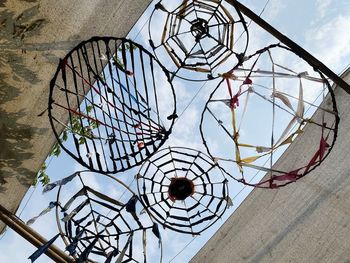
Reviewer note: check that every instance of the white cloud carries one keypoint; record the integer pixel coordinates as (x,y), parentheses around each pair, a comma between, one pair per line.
(273,9)
(330,42)
(323,6)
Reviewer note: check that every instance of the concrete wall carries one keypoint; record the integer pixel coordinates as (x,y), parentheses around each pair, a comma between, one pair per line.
(33,36)
(308,221)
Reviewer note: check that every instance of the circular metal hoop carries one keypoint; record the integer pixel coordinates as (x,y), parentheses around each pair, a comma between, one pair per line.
(199,37)
(260,109)
(183,189)
(99,227)
(113,101)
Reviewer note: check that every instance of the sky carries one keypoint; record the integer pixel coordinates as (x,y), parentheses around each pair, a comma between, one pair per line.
(320,26)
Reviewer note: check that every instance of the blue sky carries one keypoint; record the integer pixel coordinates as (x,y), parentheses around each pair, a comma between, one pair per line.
(320,26)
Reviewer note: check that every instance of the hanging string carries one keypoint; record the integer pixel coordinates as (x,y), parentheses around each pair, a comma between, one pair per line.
(287,136)
(125,124)
(183,189)
(196,57)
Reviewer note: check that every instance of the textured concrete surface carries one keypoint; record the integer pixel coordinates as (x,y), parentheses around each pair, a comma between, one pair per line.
(308,221)
(33,36)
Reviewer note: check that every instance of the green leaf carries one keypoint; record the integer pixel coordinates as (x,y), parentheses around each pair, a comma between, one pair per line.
(89,108)
(42,176)
(35,182)
(65,135)
(94,124)
(118,61)
(81,140)
(58,150)
(43,166)
(44,180)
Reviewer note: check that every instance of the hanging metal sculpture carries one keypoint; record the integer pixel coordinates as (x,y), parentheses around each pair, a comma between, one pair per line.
(199,37)
(118,102)
(183,189)
(100,227)
(259,109)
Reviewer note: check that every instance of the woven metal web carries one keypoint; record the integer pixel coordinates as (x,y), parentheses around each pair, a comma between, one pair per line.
(258,111)
(198,36)
(183,189)
(101,227)
(113,101)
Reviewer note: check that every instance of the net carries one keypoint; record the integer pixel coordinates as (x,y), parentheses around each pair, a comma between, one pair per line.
(261,108)
(183,189)
(198,37)
(113,101)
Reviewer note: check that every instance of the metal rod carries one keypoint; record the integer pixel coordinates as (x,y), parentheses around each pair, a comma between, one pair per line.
(32,236)
(314,62)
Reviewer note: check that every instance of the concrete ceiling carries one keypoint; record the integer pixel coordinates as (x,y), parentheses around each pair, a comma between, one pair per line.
(308,221)
(33,36)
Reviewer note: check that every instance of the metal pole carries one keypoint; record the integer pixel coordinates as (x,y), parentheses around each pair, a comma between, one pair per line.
(314,62)
(32,236)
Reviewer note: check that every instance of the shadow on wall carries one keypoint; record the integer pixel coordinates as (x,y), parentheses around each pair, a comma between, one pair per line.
(15,142)
(15,137)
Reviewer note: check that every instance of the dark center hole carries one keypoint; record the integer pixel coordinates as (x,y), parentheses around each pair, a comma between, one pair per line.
(180,188)
(199,28)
